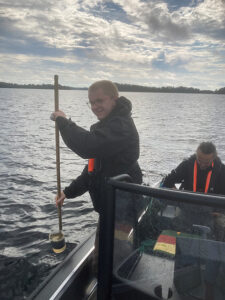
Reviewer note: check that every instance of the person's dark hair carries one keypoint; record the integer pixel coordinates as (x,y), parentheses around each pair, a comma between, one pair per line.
(207,148)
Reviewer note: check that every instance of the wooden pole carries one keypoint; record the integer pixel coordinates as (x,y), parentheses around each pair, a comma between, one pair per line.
(56,88)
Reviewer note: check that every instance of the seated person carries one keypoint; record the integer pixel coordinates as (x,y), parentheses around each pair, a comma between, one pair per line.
(202,172)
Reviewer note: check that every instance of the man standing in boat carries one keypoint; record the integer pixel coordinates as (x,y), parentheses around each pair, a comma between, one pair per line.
(111,145)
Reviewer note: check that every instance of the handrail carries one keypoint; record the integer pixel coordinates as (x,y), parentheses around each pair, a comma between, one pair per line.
(169,194)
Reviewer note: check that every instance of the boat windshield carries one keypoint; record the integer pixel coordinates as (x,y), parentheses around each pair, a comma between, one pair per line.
(168,245)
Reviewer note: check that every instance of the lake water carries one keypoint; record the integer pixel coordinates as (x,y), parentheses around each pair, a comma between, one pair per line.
(170,127)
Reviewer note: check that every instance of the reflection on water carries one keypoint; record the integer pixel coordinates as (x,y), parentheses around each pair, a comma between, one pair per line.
(170,127)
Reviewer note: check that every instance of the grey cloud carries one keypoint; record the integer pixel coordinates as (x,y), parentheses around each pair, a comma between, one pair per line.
(178,26)
(8,29)
(211,32)
(15,40)
(214,26)
(164,26)
(27,4)
(203,21)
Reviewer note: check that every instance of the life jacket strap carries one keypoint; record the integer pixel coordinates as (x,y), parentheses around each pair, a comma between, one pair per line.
(91,165)
(195,178)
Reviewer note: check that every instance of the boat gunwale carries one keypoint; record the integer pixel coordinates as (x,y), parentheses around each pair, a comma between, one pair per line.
(48,280)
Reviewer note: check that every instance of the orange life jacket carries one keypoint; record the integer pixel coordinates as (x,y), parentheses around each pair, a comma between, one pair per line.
(195,178)
(91,165)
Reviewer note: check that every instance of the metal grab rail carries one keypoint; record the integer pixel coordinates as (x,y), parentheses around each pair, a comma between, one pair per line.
(169,194)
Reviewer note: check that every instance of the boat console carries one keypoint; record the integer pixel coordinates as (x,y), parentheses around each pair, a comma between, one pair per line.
(161,244)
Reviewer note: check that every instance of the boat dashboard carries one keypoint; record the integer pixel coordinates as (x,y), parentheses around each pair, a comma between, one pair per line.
(165,244)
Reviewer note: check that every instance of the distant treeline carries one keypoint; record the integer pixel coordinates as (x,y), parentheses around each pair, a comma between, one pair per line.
(121,87)
(37,86)
(167,89)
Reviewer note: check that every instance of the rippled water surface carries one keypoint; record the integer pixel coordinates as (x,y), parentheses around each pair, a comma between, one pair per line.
(170,128)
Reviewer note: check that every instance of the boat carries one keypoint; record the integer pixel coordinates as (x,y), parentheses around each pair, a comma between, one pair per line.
(148,249)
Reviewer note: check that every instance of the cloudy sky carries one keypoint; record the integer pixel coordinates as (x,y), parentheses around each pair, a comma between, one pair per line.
(145,42)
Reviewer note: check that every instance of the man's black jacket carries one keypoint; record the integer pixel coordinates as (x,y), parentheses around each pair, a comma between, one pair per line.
(113,142)
(184,174)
